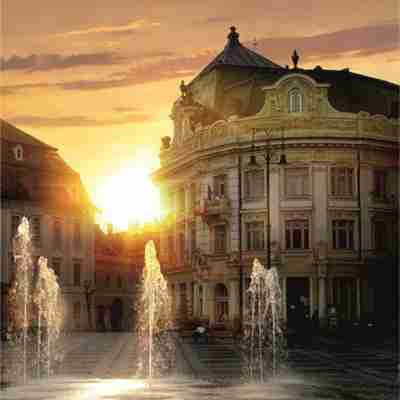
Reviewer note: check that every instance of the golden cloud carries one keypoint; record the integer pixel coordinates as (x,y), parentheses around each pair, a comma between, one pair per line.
(113,29)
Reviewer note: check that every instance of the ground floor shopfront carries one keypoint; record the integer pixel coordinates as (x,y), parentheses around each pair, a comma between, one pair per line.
(313,292)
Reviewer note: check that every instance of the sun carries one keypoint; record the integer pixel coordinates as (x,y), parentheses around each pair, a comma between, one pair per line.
(128,196)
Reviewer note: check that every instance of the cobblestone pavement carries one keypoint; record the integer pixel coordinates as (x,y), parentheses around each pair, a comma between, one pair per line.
(318,370)
(357,371)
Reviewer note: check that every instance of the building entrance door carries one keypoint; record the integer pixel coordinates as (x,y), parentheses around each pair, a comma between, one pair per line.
(345,298)
(116,314)
(221,304)
(297,300)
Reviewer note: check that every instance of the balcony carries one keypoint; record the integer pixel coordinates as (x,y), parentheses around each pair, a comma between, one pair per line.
(214,209)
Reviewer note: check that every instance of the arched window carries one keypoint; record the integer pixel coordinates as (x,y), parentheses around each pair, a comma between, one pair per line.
(19,152)
(295,101)
(221,303)
(119,282)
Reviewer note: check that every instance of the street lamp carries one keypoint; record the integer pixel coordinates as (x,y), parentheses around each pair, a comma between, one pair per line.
(253,163)
(88,293)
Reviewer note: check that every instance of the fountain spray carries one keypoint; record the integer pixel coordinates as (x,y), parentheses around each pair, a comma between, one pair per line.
(265,338)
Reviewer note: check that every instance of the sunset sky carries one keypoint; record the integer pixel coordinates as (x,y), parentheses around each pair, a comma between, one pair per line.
(97,78)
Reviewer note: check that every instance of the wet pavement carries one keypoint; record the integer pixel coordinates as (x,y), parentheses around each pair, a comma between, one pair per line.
(319,369)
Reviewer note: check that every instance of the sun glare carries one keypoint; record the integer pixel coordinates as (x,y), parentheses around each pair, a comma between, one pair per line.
(128,196)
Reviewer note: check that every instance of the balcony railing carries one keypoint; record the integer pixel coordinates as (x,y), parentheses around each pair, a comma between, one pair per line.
(214,206)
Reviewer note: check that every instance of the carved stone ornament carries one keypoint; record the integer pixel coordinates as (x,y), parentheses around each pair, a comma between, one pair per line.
(219,128)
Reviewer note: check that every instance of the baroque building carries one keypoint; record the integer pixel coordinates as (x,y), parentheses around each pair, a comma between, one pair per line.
(333,208)
(37,183)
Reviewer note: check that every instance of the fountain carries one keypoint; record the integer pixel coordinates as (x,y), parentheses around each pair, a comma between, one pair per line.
(155,343)
(46,298)
(33,301)
(264,341)
(19,294)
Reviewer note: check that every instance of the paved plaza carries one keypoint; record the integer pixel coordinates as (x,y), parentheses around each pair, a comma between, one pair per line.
(101,366)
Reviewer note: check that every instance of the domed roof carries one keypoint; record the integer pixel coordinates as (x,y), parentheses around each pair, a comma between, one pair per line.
(235,54)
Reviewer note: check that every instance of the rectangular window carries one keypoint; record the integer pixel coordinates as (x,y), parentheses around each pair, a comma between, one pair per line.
(77,315)
(35,231)
(254,183)
(15,221)
(77,273)
(77,235)
(182,246)
(342,181)
(193,196)
(182,299)
(380,235)
(56,265)
(297,235)
(181,200)
(343,234)
(255,235)
(57,234)
(220,239)
(380,178)
(296,182)
(219,186)
(193,243)
(201,301)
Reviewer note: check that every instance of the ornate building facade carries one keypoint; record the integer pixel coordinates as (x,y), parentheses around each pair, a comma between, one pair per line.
(333,208)
(37,183)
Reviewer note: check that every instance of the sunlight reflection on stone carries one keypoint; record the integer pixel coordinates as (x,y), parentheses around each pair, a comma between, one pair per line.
(111,387)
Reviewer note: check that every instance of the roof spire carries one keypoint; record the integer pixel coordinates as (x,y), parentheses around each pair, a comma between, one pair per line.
(295,58)
(233,37)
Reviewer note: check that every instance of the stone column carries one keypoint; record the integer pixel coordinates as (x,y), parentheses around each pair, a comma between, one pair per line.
(196,300)
(322,298)
(322,270)
(233,299)
(190,304)
(187,211)
(284,302)
(177,300)
(311,295)
(208,293)
(358,294)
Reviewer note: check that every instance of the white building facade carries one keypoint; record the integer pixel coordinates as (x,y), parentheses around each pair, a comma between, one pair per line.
(333,207)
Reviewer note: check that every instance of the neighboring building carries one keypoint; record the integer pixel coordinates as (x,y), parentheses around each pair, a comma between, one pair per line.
(333,207)
(118,271)
(37,183)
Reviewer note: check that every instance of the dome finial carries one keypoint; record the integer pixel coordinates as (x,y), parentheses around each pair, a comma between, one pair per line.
(183,89)
(295,58)
(233,37)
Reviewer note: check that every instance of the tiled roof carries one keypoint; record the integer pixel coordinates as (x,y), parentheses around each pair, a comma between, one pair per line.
(348,91)
(235,54)
(13,134)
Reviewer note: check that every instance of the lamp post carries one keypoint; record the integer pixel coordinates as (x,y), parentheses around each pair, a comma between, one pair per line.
(253,163)
(88,293)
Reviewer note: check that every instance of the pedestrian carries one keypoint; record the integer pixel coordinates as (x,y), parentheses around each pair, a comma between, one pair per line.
(199,333)
(107,319)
